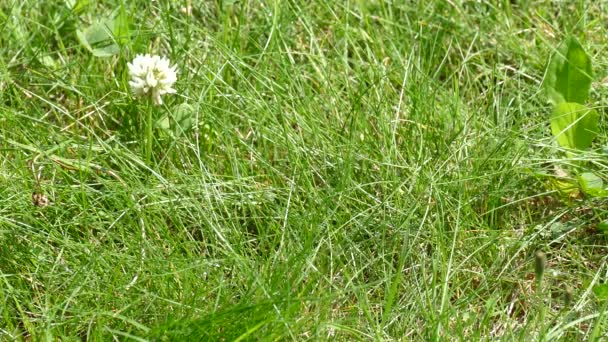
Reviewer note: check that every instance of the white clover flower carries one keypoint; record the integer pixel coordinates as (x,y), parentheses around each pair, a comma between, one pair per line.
(152,76)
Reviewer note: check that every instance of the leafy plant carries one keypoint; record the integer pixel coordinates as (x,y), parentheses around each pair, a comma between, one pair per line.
(179,121)
(591,184)
(102,38)
(573,124)
(569,74)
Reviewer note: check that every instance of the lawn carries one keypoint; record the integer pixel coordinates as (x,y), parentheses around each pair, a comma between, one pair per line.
(326,170)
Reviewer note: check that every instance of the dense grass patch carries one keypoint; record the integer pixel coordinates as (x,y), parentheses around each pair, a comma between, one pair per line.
(356,170)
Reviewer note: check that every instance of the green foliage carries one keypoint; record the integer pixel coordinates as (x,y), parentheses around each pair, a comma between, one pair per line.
(603,227)
(179,121)
(351,193)
(103,38)
(574,125)
(120,27)
(77,6)
(569,74)
(567,83)
(592,185)
(97,38)
(601,291)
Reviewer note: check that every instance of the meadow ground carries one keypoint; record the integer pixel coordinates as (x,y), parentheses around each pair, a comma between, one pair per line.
(342,170)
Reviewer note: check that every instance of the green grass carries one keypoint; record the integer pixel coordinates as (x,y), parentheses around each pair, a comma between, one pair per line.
(361,170)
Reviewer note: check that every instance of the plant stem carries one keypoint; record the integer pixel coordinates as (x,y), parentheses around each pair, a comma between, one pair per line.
(149,135)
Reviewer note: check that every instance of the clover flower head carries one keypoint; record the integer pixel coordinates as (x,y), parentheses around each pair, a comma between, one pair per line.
(152,76)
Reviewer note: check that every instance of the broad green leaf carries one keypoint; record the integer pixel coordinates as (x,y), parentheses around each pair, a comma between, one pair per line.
(163,123)
(569,74)
(99,33)
(183,115)
(603,227)
(106,51)
(83,40)
(98,39)
(601,291)
(592,184)
(574,125)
